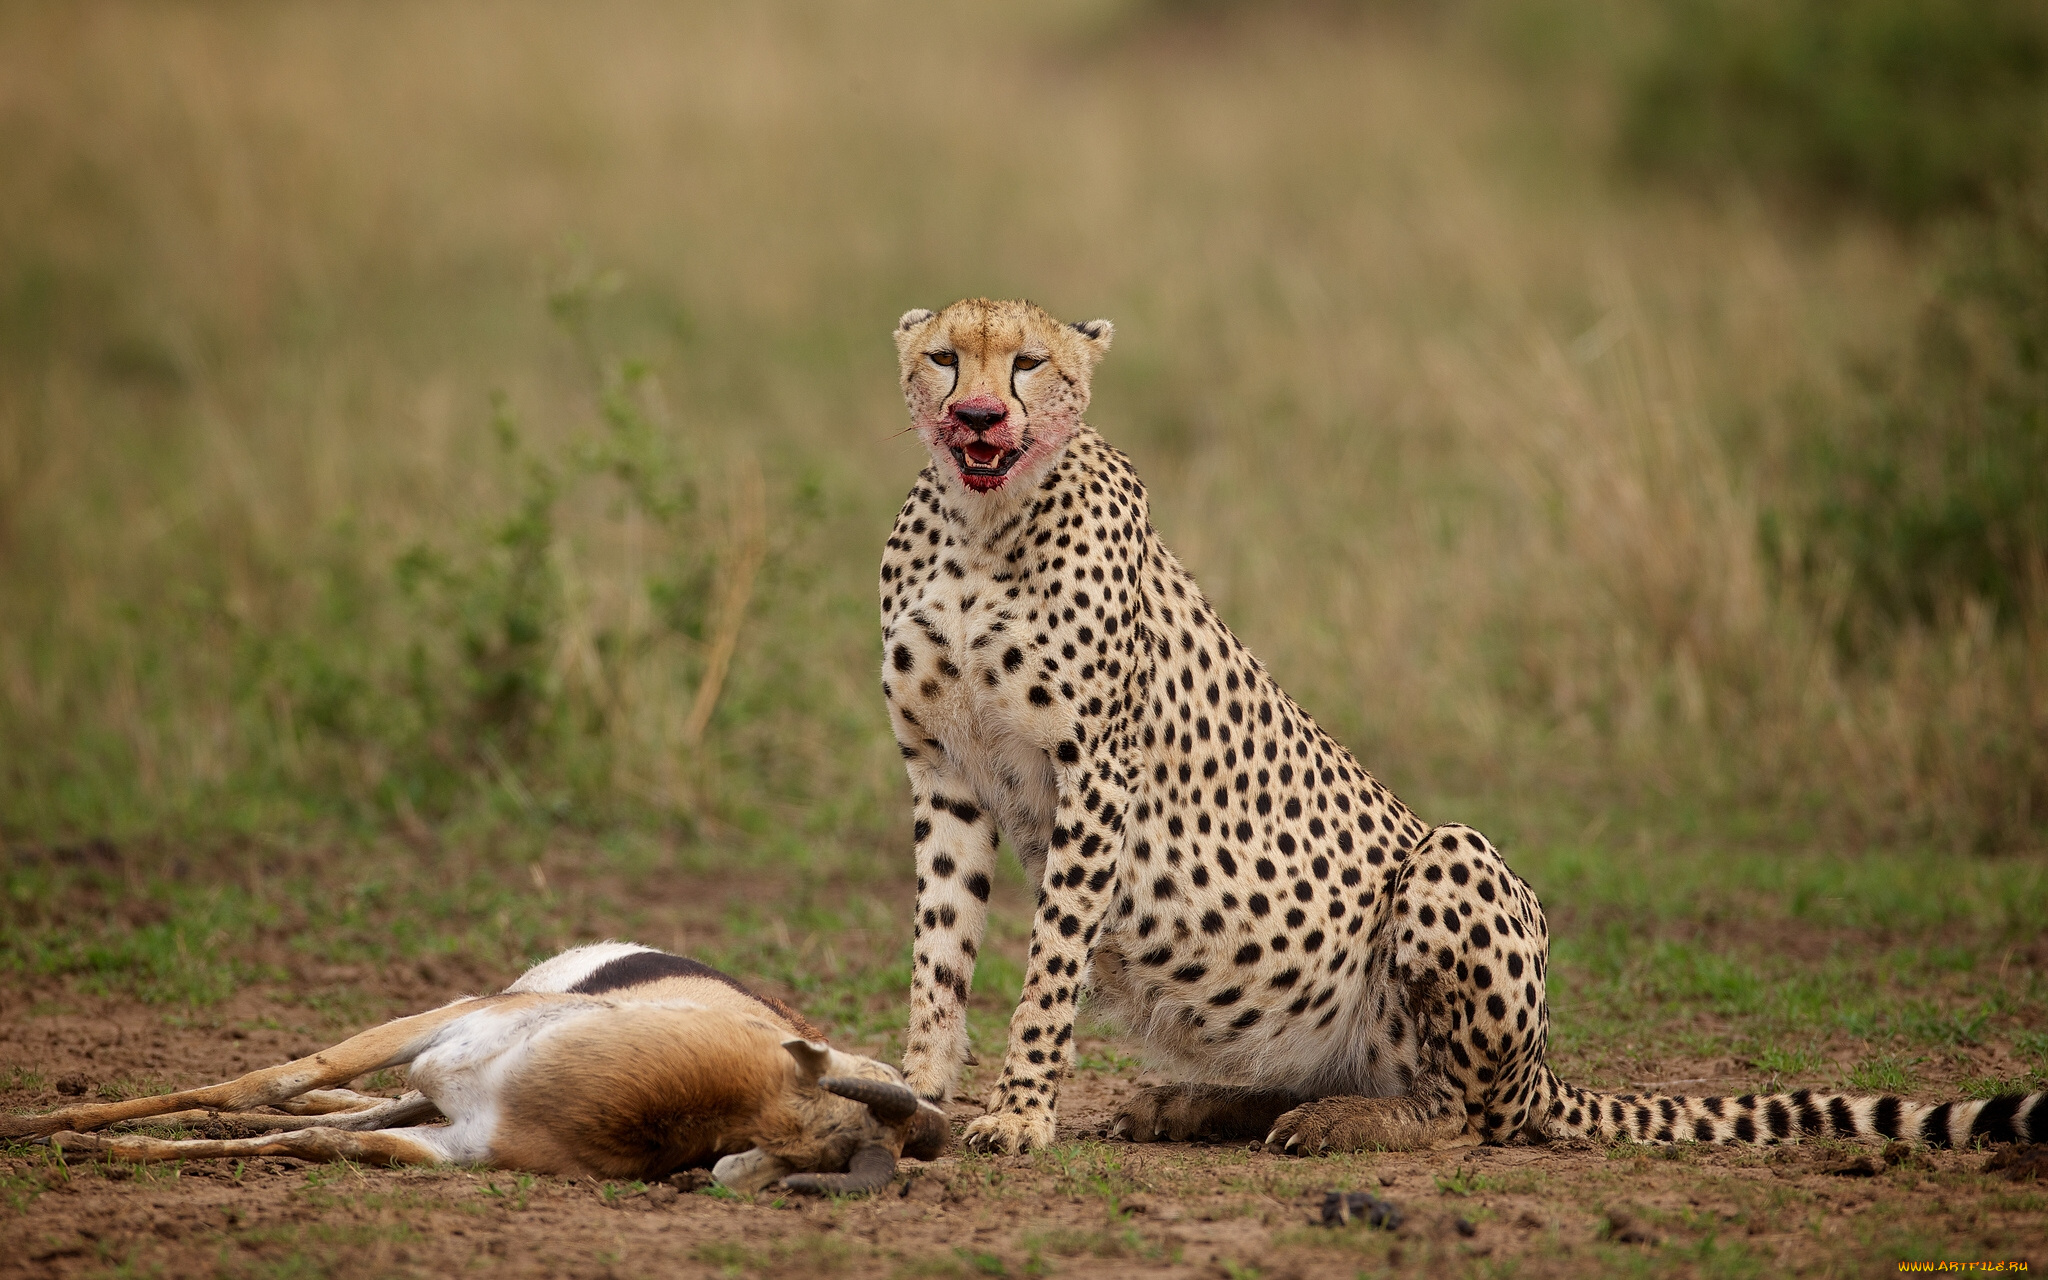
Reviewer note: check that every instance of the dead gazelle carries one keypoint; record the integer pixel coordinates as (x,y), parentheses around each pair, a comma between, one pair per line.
(612,1060)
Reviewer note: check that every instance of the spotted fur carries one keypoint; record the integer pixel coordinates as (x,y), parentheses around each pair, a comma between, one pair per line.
(1317,963)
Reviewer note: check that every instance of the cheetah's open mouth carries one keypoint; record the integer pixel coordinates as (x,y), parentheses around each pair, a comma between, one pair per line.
(984,465)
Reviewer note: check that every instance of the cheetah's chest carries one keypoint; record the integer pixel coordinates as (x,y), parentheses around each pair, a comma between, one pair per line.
(955,664)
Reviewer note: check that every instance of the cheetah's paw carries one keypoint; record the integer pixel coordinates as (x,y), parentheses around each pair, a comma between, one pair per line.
(1009,1133)
(1365,1124)
(1178,1112)
(929,1080)
(1329,1124)
(1161,1114)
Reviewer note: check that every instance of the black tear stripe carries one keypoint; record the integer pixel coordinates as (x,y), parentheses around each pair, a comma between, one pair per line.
(651,966)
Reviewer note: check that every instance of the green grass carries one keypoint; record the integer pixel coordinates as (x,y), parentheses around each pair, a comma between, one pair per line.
(380,526)
(388,442)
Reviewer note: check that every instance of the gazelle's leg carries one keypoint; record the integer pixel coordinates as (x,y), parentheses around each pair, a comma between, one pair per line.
(389,1113)
(327,1102)
(397,1041)
(323,1145)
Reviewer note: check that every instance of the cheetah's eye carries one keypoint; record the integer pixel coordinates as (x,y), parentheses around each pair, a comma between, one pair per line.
(944,359)
(1024,363)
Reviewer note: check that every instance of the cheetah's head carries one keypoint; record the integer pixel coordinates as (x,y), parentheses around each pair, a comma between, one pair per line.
(995,389)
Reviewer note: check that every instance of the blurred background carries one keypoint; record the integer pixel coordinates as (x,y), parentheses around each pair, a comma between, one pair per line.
(1618,422)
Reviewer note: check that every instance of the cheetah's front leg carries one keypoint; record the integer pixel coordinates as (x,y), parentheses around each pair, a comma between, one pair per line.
(956,850)
(1080,884)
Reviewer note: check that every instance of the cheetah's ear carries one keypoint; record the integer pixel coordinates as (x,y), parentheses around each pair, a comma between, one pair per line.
(911,319)
(1098,332)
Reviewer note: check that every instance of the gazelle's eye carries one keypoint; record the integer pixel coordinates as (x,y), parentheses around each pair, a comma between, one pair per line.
(1027,362)
(943,359)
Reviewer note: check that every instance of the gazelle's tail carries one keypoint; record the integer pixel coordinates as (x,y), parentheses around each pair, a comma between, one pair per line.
(1563,1111)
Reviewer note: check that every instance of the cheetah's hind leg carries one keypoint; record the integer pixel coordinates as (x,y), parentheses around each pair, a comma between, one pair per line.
(1179,1112)
(1349,1123)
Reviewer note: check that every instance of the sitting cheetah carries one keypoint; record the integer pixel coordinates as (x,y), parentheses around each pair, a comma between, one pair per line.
(1324,969)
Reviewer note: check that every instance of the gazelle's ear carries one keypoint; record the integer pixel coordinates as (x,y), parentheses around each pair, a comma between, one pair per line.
(812,1056)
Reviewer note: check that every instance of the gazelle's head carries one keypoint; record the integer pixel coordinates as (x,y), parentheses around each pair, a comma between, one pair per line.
(845,1122)
(995,389)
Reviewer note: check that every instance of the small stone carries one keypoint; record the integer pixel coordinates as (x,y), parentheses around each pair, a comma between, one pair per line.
(1467,1228)
(74,1084)
(1341,1208)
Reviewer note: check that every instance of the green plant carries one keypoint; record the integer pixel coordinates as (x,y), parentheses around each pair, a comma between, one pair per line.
(1933,500)
(1909,105)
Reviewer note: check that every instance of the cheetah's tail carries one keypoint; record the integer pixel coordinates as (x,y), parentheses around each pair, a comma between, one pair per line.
(1563,1111)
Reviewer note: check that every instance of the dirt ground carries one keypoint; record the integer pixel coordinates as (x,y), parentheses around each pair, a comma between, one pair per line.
(1086,1207)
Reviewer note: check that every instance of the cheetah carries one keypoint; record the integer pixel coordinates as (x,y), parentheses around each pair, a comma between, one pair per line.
(1316,965)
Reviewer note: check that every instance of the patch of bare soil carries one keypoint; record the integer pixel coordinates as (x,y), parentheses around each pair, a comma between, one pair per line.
(1088,1207)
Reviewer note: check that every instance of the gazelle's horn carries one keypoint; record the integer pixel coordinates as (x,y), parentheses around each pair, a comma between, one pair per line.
(928,1135)
(870,1170)
(892,1103)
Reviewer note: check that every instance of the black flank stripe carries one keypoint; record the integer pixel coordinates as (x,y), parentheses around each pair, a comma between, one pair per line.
(1843,1118)
(1995,1120)
(1714,1106)
(1703,1130)
(1745,1129)
(1887,1118)
(1934,1125)
(2037,1120)
(649,966)
(1780,1118)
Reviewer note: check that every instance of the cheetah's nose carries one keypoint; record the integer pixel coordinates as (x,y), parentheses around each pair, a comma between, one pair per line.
(979,414)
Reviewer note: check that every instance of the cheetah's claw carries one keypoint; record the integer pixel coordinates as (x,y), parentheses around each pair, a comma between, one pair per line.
(1008,1133)
(1362,1124)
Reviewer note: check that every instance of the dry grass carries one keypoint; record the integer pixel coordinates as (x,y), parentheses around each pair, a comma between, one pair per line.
(1470,443)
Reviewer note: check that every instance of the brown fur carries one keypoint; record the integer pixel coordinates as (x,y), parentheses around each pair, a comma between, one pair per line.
(655,1074)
